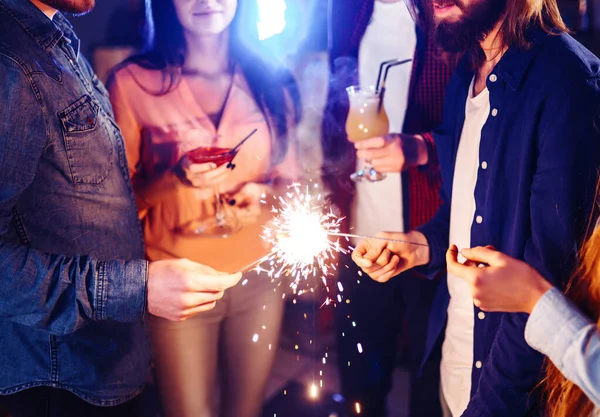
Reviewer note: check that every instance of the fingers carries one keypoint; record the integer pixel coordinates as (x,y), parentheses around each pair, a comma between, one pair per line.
(198,168)
(358,255)
(486,255)
(388,271)
(377,266)
(195,299)
(247,203)
(216,174)
(359,259)
(199,176)
(202,282)
(197,310)
(372,154)
(387,165)
(250,194)
(456,268)
(373,143)
(375,259)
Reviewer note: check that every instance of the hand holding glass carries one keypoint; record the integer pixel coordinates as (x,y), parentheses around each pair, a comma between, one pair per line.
(224,223)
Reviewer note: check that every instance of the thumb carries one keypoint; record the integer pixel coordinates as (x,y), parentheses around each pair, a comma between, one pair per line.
(376,142)
(375,249)
(202,168)
(358,256)
(482,254)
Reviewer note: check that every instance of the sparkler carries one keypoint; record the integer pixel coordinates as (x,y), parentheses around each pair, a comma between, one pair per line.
(300,236)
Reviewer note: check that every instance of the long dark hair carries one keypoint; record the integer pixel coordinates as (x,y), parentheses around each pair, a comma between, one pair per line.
(273,87)
(519,16)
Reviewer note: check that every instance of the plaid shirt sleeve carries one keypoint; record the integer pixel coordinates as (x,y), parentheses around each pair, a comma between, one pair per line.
(428,86)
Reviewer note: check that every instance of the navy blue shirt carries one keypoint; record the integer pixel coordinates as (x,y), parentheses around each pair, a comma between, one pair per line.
(539,157)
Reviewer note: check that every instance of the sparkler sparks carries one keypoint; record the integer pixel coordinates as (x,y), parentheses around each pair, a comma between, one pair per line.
(300,238)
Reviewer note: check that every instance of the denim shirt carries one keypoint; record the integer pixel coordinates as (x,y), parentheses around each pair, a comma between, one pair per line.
(72,274)
(538,167)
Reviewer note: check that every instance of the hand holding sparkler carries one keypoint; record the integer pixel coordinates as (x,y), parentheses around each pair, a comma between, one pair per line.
(388,254)
(506,284)
(179,288)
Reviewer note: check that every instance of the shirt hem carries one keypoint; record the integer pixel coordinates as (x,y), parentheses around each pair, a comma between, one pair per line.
(88,398)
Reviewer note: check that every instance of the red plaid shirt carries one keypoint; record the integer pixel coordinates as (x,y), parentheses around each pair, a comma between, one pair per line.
(349,20)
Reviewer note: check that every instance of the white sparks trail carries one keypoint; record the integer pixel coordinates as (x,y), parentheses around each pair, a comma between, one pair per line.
(299,236)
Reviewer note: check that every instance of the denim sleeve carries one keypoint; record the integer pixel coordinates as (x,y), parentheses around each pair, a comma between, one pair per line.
(562,197)
(560,331)
(56,293)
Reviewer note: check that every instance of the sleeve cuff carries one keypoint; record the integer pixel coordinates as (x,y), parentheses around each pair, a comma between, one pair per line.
(121,290)
(432,157)
(437,257)
(553,325)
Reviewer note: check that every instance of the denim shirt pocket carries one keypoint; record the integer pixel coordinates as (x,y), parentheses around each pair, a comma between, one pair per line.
(87,142)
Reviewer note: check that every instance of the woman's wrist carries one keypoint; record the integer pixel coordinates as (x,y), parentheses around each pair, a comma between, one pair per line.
(539,287)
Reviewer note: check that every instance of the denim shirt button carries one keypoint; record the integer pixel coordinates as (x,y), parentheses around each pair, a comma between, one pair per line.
(478,364)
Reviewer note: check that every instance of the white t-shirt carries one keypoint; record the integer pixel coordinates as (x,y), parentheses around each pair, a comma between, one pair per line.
(457,350)
(391,34)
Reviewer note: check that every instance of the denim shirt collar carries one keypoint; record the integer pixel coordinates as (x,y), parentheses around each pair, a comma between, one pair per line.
(46,32)
(514,64)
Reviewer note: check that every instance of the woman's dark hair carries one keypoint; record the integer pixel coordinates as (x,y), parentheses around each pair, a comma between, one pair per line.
(273,87)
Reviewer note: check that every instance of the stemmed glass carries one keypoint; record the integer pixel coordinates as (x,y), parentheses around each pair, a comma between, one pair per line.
(366,119)
(224,222)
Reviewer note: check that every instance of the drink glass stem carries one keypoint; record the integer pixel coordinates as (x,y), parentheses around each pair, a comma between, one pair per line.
(219,212)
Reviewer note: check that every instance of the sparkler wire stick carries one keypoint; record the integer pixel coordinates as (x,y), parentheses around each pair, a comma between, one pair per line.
(254,264)
(299,236)
(384,238)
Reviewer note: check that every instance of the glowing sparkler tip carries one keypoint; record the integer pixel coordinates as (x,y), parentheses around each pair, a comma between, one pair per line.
(299,235)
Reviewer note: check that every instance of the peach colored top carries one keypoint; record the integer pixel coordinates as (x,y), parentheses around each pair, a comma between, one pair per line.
(159,130)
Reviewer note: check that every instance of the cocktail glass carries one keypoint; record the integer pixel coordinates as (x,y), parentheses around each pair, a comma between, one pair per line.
(224,222)
(366,119)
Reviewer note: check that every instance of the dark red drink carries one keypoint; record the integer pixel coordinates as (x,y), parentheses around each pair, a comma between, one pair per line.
(218,156)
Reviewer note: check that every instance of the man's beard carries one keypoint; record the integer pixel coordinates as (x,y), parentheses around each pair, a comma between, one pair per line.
(76,7)
(477,22)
